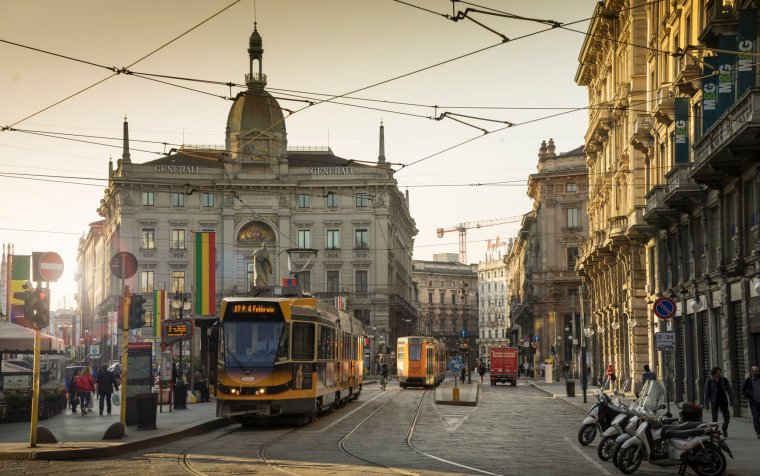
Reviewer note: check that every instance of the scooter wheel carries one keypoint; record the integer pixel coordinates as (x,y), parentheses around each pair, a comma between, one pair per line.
(615,451)
(713,461)
(604,451)
(629,459)
(586,434)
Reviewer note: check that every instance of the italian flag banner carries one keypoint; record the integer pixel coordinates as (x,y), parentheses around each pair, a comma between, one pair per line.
(205,273)
(160,310)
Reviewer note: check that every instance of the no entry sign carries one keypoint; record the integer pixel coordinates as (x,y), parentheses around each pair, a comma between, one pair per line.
(51,266)
(664,308)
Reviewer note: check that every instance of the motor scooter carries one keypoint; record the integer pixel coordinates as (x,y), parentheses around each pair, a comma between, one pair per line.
(695,445)
(599,417)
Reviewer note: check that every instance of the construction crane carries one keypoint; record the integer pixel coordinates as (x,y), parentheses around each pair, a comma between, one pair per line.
(463,227)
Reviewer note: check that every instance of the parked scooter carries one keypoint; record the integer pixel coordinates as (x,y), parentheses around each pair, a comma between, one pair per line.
(697,445)
(649,402)
(600,417)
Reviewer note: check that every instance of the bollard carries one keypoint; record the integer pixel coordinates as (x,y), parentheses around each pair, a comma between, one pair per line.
(455,394)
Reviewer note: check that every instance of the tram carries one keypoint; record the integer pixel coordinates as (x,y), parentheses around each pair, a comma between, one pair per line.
(280,356)
(420,361)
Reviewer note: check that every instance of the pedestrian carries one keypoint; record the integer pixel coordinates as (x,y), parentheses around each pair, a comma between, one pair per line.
(566,371)
(718,396)
(482,371)
(107,383)
(542,369)
(751,391)
(525,367)
(201,385)
(85,387)
(73,395)
(647,375)
(611,377)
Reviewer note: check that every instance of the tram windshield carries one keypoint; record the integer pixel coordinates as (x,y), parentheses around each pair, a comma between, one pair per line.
(254,344)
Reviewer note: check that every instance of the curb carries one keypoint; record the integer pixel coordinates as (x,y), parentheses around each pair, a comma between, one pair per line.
(114,450)
(557,397)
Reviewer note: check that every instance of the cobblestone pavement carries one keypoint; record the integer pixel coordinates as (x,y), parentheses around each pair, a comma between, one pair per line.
(513,431)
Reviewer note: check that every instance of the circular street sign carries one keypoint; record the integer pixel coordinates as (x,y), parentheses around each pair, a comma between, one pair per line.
(51,266)
(123,265)
(536,339)
(664,308)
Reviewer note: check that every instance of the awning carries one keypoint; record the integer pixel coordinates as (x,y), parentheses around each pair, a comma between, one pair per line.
(15,339)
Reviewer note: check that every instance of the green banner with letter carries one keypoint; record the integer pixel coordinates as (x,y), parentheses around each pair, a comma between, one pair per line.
(681,133)
(746,43)
(709,92)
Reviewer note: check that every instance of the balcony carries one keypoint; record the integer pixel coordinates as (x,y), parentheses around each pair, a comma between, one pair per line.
(664,107)
(689,78)
(720,20)
(681,192)
(639,229)
(731,143)
(641,139)
(616,228)
(658,214)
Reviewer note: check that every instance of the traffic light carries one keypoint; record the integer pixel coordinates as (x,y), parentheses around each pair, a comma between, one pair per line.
(25,296)
(41,304)
(136,312)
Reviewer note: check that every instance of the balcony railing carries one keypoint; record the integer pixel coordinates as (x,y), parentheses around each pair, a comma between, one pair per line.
(681,192)
(617,226)
(658,213)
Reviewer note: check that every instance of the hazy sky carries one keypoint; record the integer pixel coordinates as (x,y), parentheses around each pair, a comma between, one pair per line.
(316,46)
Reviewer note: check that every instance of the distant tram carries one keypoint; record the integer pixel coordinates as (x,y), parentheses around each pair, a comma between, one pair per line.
(294,356)
(420,361)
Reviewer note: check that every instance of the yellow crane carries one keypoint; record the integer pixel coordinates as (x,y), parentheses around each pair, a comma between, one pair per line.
(463,227)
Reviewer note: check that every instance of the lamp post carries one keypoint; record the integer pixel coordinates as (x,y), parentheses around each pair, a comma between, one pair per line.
(181,303)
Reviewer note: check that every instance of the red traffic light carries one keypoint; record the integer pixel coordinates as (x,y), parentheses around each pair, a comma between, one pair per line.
(42,295)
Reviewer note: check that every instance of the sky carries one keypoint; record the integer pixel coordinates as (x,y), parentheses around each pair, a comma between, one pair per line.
(52,186)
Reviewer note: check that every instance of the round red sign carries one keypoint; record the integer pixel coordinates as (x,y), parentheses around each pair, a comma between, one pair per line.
(51,266)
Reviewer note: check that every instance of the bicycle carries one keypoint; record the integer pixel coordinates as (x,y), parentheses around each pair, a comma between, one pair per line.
(383,381)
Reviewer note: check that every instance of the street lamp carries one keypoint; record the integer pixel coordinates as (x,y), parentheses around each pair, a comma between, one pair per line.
(181,303)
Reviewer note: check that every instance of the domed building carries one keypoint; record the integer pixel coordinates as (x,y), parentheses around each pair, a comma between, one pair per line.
(224,203)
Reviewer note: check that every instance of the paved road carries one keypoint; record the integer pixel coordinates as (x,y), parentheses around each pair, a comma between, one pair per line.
(513,431)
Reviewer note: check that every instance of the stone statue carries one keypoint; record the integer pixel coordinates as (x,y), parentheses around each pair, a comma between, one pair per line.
(262,266)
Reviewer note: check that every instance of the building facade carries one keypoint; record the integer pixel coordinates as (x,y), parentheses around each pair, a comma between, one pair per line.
(446,294)
(341,227)
(493,317)
(542,281)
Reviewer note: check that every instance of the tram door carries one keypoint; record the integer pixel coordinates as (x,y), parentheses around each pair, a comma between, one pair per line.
(430,362)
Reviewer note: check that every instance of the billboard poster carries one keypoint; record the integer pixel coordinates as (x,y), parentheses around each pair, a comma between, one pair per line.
(726,74)
(709,92)
(681,134)
(746,44)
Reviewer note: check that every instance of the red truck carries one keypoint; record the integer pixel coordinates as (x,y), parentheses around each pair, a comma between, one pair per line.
(504,365)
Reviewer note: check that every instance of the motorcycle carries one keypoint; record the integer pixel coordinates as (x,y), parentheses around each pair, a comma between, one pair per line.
(599,418)
(694,445)
(617,428)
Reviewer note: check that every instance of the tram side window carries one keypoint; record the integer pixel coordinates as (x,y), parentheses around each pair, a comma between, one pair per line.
(303,341)
(415,352)
(327,347)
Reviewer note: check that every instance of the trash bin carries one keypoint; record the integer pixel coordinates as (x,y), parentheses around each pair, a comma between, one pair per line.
(570,387)
(180,396)
(146,410)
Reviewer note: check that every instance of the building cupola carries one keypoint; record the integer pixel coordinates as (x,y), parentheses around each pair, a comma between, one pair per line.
(255,53)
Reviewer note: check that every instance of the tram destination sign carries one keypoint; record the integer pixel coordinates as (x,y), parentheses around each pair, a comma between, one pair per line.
(176,331)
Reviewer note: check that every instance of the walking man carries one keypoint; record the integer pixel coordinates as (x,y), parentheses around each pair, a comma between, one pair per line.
(718,396)
(106,385)
(751,391)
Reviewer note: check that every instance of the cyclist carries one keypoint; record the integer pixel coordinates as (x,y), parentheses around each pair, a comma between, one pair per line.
(384,376)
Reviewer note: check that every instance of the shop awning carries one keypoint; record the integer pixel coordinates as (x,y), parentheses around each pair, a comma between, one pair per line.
(15,339)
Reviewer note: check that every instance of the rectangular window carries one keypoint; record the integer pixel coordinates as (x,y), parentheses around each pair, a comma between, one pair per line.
(303,341)
(362,199)
(571,187)
(304,239)
(415,352)
(249,276)
(442,295)
(730,204)
(333,282)
(430,297)
(572,256)
(362,315)
(572,217)
(178,281)
(178,239)
(453,298)
(304,200)
(750,214)
(178,199)
(303,279)
(332,200)
(147,199)
(146,281)
(333,239)
(362,241)
(361,281)
(148,239)
(326,345)
(207,200)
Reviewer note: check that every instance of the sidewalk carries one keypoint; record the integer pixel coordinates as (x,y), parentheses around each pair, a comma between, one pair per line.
(742,439)
(82,436)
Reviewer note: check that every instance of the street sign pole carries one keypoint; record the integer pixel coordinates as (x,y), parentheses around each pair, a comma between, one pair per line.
(35,388)
(124,306)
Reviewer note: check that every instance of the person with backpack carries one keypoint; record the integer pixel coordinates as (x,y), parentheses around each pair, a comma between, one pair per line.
(107,383)
(72,387)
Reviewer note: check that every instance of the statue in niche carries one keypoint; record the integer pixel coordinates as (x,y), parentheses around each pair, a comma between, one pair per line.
(262,266)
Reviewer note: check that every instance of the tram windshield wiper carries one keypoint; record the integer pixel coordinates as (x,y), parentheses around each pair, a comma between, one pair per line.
(237,361)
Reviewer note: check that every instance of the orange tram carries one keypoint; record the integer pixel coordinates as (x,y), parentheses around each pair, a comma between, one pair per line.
(285,356)
(420,361)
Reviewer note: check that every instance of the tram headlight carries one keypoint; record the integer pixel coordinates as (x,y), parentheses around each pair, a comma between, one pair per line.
(261,391)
